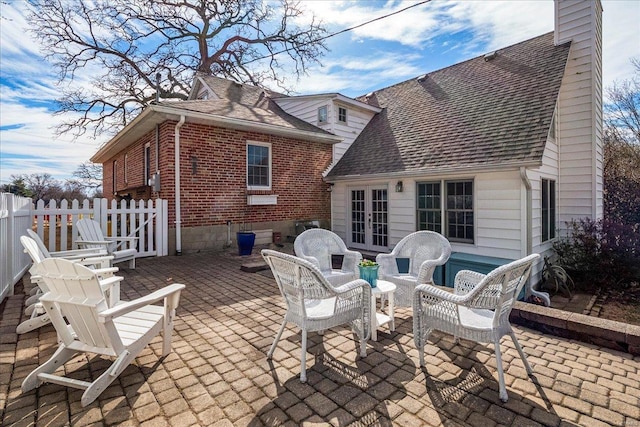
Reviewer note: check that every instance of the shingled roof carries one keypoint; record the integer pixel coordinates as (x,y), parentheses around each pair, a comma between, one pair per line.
(478,113)
(244,102)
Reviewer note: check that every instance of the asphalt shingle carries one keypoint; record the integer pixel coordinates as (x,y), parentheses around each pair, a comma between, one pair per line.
(473,114)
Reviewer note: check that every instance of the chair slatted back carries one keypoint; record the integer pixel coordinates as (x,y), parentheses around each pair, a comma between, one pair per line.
(320,244)
(75,294)
(297,279)
(39,242)
(90,230)
(32,248)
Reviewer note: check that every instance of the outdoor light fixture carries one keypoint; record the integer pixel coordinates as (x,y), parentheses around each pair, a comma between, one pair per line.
(399,187)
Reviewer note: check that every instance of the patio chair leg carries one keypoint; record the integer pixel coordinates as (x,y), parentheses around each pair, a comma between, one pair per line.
(276,339)
(59,358)
(33,323)
(523,356)
(303,358)
(503,389)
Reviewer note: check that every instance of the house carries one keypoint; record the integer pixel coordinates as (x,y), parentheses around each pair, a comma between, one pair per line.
(232,159)
(496,152)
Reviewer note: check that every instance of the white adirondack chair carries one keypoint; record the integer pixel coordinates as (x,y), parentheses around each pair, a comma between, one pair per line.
(92,237)
(314,304)
(103,260)
(74,293)
(424,251)
(38,317)
(477,310)
(317,246)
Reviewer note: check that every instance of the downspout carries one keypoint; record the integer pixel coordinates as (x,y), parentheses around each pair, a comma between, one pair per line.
(177,186)
(528,203)
(529,288)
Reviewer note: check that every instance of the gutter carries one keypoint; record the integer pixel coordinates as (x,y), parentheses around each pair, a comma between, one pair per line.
(240,124)
(436,171)
(177,185)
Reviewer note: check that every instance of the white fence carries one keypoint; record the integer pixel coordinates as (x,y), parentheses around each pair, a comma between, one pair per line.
(15,217)
(56,225)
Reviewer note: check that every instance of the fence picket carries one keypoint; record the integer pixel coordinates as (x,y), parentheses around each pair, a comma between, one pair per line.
(147,220)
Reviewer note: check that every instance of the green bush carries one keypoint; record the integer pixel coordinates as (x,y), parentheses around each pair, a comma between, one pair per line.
(600,253)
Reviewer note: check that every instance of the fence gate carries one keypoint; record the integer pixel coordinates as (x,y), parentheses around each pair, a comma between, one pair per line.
(146,220)
(15,217)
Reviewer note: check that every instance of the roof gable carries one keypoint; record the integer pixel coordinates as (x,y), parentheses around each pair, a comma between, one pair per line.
(474,114)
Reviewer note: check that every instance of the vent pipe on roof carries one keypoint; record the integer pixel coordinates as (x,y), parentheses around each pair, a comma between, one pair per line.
(422,78)
(490,56)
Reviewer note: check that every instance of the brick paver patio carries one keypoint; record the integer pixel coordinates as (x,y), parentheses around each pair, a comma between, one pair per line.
(218,374)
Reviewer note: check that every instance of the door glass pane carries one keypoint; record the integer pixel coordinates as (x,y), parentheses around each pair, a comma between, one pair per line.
(358,221)
(379,205)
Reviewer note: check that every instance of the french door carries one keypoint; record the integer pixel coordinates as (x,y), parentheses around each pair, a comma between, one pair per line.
(369,218)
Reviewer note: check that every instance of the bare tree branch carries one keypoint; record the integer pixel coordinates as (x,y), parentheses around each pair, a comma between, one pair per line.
(107,52)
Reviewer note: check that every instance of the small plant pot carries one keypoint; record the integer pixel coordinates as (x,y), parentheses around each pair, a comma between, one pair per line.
(370,274)
(246,240)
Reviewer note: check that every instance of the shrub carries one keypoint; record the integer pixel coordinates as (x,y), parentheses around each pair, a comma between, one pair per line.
(600,253)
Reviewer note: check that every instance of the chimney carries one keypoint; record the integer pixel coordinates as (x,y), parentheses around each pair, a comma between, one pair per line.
(579,109)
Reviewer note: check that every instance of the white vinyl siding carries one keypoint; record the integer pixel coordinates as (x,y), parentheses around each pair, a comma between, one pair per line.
(580,112)
(307,109)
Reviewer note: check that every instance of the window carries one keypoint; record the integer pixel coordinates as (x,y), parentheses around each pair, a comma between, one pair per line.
(258,166)
(552,128)
(342,114)
(457,209)
(147,164)
(322,114)
(548,209)
(429,207)
(115,176)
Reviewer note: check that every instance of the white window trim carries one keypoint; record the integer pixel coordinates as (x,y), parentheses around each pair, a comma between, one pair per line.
(346,114)
(326,115)
(261,144)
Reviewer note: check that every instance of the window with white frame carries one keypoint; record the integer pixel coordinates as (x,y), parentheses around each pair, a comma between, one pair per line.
(342,114)
(548,209)
(322,114)
(446,207)
(258,166)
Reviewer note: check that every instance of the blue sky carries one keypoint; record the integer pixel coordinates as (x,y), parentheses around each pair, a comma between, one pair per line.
(424,38)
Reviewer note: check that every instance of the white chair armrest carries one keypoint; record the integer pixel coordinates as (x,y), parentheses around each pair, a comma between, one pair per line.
(387,264)
(78,253)
(433,293)
(124,238)
(129,306)
(313,260)
(350,261)
(466,280)
(349,286)
(106,243)
(106,271)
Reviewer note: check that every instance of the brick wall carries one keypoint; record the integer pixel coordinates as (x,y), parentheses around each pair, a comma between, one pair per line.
(213,181)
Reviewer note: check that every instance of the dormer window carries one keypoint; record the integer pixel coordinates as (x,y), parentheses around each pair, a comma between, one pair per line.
(342,114)
(204,94)
(322,114)
(552,129)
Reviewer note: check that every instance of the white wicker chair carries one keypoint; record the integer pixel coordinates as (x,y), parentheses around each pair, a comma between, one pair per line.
(313,304)
(477,310)
(424,250)
(317,245)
